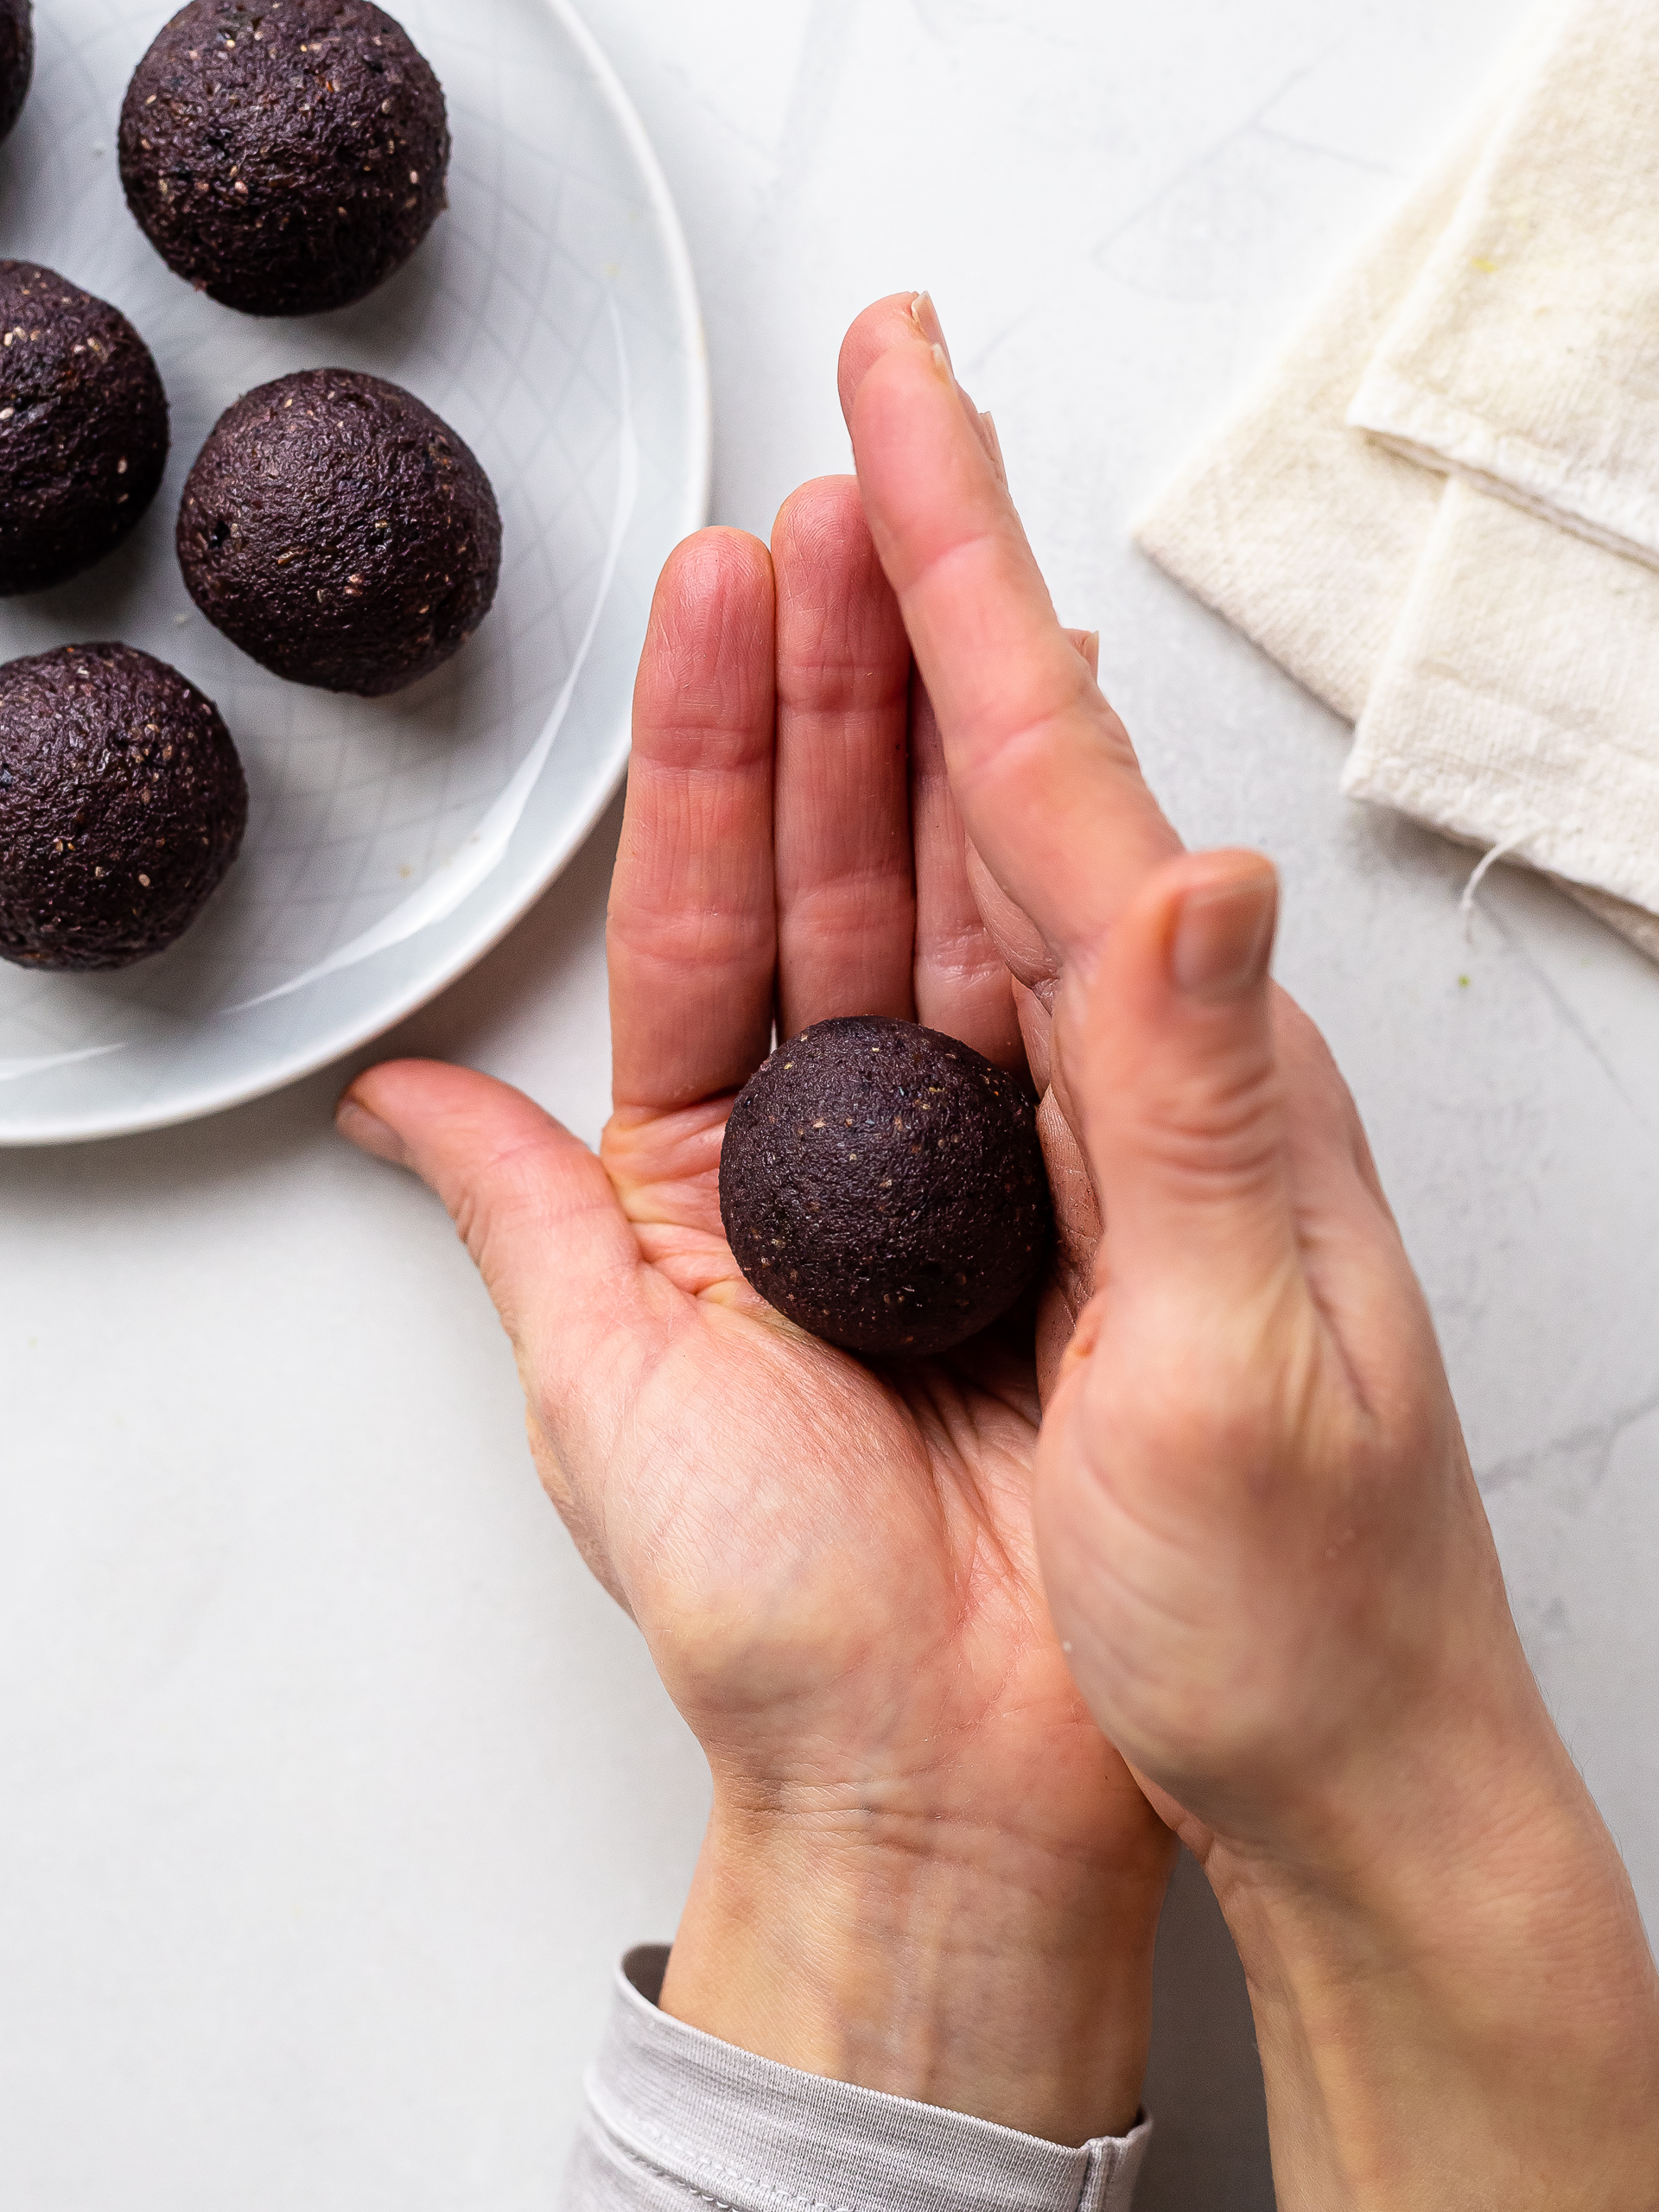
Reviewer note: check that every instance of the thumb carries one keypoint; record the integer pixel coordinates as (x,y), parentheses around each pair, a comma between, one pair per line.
(532,1203)
(1176,1079)
(539,1214)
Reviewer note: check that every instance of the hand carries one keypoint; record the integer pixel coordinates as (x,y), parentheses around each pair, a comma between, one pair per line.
(1258,1526)
(926,1872)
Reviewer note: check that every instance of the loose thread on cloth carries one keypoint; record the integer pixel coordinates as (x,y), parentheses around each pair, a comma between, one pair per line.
(1472,889)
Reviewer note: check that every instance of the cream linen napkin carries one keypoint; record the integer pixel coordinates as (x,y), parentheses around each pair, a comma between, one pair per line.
(1526,357)
(1518,705)
(1310,538)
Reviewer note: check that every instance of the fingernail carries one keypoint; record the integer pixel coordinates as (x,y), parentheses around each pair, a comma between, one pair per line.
(369,1133)
(925,317)
(993,447)
(942,363)
(1091,653)
(1224,936)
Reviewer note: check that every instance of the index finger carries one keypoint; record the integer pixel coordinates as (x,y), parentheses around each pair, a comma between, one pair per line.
(1046,779)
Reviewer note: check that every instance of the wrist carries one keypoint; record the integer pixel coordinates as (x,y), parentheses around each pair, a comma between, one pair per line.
(1457,2005)
(954,1964)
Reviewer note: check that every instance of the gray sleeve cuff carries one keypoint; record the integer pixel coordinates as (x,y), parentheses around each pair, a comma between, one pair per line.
(677,2121)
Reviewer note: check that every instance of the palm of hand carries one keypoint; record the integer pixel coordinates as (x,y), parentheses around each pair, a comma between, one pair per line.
(833,1565)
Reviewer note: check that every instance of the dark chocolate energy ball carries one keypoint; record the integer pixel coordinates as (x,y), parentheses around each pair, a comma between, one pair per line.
(83,428)
(341,533)
(284,155)
(883,1186)
(17,59)
(122,805)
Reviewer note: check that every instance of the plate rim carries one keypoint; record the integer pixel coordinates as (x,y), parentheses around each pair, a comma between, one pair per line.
(352,1036)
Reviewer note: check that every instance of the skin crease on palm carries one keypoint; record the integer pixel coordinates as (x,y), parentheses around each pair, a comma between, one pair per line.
(873,774)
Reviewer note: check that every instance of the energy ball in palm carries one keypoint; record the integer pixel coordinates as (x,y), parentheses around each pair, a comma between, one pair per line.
(284,157)
(83,428)
(122,806)
(883,1186)
(16,60)
(341,533)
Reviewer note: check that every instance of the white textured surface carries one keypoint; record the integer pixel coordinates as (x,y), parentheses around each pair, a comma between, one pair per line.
(550,319)
(332,1787)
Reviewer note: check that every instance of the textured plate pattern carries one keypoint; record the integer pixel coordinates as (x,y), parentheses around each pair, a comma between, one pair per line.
(552,318)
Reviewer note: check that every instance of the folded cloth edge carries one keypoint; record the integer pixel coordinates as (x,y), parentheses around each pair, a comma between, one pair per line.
(1427,424)
(1425,428)
(1562,769)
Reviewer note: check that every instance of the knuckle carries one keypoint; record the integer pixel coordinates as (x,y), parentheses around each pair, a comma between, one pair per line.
(1218,1126)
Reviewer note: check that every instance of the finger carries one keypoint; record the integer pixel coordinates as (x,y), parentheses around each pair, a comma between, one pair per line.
(537,1213)
(1172,1054)
(1050,790)
(901,319)
(887,323)
(967,928)
(1223,1142)
(1034,962)
(691,937)
(962,982)
(846,886)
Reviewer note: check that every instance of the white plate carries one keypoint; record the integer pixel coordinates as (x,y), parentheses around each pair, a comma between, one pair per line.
(552,318)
